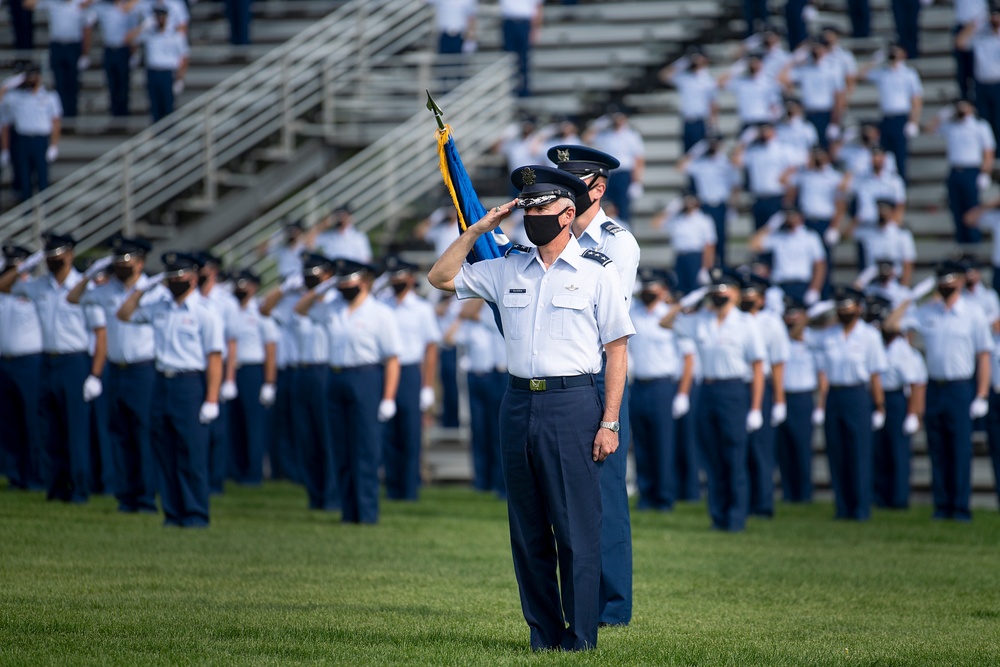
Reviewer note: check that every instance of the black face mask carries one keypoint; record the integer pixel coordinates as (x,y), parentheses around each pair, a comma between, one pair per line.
(542,229)
(946,292)
(719,300)
(55,264)
(240,294)
(123,273)
(312,280)
(647,297)
(178,287)
(399,288)
(747,305)
(349,293)
(846,318)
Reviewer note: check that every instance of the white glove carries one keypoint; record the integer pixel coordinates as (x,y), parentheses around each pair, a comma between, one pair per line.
(911,424)
(878,57)
(4,158)
(92,388)
(749,135)
(775,221)
(703,277)
(809,13)
(14,81)
(820,308)
(811,296)
(818,417)
(983,181)
(693,298)
(681,64)
(97,267)
(831,236)
(325,286)
(3,263)
(83,63)
(923,288)
(228,391)
(470,46)
(209,413)
(911,130)
(426,398)
(149,23)
(779,413)
(979,408)
(292,283)
(635,190)
(754,421)
(833,132)
(178,86)
(866,277)
(135,60)
(146,283)
(267,393)
(31,261)
(386,409)
(674,206)
(681,406)
(697,150)
(52,153)
(878,420)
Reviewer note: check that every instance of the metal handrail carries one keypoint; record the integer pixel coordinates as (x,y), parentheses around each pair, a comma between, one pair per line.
(394,171)
(266,99)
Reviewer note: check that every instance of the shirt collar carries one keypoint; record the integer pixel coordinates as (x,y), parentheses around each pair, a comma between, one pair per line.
(594,230)
(571,254)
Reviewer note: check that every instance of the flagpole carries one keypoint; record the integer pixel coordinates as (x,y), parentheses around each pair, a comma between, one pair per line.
(435,109)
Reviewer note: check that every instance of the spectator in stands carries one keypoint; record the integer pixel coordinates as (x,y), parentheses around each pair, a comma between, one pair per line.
(971,153)
(901,100)
(798,264)
(239,15)
(758,96)
(697,92)
(692,236)
(344,241)
(987,216)
(178,16)
(969,14)
(861,18)
(906,14)
(520,145)
(613,135)
(774,54)
(985,297)
(23,22)
(841,57)
(560,131)
(854,153)
(456,25)
(166,52)
(116,18)
(285,248)
(522,21)
(821,84)
(985,45)
(884,283)
(70,30)
(891,241)
(879,184)
(767,161)
(819,191)
(714,180)
(32,125)
(440,228)
(795,132)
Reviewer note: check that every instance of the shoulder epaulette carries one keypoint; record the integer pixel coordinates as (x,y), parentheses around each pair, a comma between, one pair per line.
(612,228)
(516,247)
(596,256)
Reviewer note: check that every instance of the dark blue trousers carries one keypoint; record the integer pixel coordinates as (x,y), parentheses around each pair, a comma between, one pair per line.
(402,438)
(963,195)
(554,510)
(795,24)
(181,448)
(687,480)
(993,434)
(988,104)
(763,208)
(248,426)
(617,192)
(796,290)
(820,120)
(949,443)
(311,430)
(31,169)
(285,463)
(218,450)
(486,391)
(760,460)
(63,57)
(848,432)
(129,390)
(353,398)
(448,362)
(105,464)
(793,447)
(116,69)
(687,265)
(22,20)
(721,417)
(906,14)
(238,13)
(755,14)
(616,533)
(450,44)
(718,215)
(517,40)
(891,450)
(653,435)
(861,17)
(964,64)
(20,379)
(694,131)
(66,420)
(894,140)
(160,86)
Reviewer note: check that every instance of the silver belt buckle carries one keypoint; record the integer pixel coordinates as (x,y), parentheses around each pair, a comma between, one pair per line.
(535,384)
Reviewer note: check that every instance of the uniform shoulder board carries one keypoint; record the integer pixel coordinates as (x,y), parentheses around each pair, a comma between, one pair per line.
(596,256)
(516,247)
(612,228)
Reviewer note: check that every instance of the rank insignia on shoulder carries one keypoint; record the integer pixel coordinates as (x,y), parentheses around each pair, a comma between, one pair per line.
(516,248)
(596,256)
(612,228)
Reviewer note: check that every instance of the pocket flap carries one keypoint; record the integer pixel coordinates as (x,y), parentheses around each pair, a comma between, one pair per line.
(516,300)
(569,301)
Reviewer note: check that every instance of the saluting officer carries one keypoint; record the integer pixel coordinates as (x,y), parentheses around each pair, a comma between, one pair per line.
(70,28)
(714,180)
(594,230)
(798,257)
(767,160)
(188,344)
(851,356)
(793,437)
(345,240)
(363,356)
(693,239)
(560,305)
(419,339)
(116,18)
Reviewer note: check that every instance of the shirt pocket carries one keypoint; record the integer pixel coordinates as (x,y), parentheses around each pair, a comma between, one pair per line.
(516,308)
(567,317)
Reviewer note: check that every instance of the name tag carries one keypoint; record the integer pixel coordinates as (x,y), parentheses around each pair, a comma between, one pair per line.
(517,291)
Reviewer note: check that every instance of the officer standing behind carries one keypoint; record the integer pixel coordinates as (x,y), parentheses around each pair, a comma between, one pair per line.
(363,356)
(35,116)
(418,363)
(166,52)
(697,91)
(793,437)
(767,162)
(594,230)
(714,180)
(70,29)
(822,86)
(901,99)
(344,241)
(116,18)
(188,346)
(798,264)
(984,41)
(818,191)
(692,236)
(613,135)
(559,305)
(758,94)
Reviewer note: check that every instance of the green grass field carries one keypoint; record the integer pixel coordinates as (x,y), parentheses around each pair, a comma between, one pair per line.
(270,583)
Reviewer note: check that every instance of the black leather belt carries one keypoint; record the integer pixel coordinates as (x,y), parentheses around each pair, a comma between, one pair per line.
(549,383)
(170,375)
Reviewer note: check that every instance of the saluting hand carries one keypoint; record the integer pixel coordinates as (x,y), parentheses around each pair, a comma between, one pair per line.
(494,217)
(605,444)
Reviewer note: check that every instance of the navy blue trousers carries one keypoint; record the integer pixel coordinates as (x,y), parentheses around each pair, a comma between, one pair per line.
(218,449)
(861,17)
(448,361)
(353,398)
(894,140)
(988,104)
(238,13)
(793,448)
(117,71)
(181,448)
(848,430)
(686,266)
(66,419)
(755,14)
(906,14)
(795,24)
(891,447)
(486,391)
(402,438)
(617,192)
(129,390)
(311,430)
(964,63)
(23,23)
(763,208)
(554,510)
(450,44)
(653,435)
(160,86)
(282,454)
(722,433)
(760,460)
(105,464)
(248,426)
(993,433)
(796,290)
(516,39)
(63,57)
(963,195)
(820,120)
(694,131)
(687,480)
(949,443)
(20,379)
(616,533)
(718,215)
(31,169)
